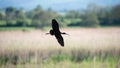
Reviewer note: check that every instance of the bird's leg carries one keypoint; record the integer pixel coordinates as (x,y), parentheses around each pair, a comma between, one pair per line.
(64,33)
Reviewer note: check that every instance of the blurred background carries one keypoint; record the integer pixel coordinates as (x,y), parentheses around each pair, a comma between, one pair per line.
(94,28)
(38,14)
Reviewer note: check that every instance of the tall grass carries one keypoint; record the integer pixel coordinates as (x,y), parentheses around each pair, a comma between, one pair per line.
(84,48)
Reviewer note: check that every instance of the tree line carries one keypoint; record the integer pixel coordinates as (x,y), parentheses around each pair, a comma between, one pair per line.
(92,16)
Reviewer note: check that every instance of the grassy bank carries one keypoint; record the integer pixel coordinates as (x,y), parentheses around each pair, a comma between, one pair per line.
(84,48)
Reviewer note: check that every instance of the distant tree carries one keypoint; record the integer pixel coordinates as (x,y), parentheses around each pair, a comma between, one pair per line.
(41,18)
(115,15)
(103,13)
(10,16)
(21,18)
(104,16)
(2,19)
(94,8)
(2,16)
(20,14)
(90,20)
(38,8)
(73,14)
(31,13)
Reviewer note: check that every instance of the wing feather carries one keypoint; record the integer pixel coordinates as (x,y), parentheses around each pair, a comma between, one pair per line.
(55,25)
(60,39)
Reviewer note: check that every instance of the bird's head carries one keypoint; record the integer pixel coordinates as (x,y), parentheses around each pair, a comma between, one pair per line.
(51,32)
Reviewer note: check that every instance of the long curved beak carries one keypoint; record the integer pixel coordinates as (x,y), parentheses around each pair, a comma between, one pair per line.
(47,33)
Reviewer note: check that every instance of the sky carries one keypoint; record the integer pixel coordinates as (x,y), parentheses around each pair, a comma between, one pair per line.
(56,4)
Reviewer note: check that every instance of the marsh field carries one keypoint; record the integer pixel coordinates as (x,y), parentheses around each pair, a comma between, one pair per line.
(84,48)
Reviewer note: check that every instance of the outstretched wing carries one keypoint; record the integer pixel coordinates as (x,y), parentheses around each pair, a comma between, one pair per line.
(60,39)
(55,25)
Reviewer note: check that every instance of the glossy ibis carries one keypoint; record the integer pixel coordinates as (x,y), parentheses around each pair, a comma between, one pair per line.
(55,31)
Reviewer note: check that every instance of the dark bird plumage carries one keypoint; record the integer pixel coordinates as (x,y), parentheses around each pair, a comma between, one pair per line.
(55,31)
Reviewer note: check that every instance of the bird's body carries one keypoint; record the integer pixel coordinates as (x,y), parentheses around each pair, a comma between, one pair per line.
(55,31)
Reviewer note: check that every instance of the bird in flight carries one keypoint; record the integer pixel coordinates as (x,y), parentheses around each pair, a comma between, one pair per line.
(55,31)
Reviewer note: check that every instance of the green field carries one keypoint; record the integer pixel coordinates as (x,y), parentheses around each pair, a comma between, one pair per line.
(84,48)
